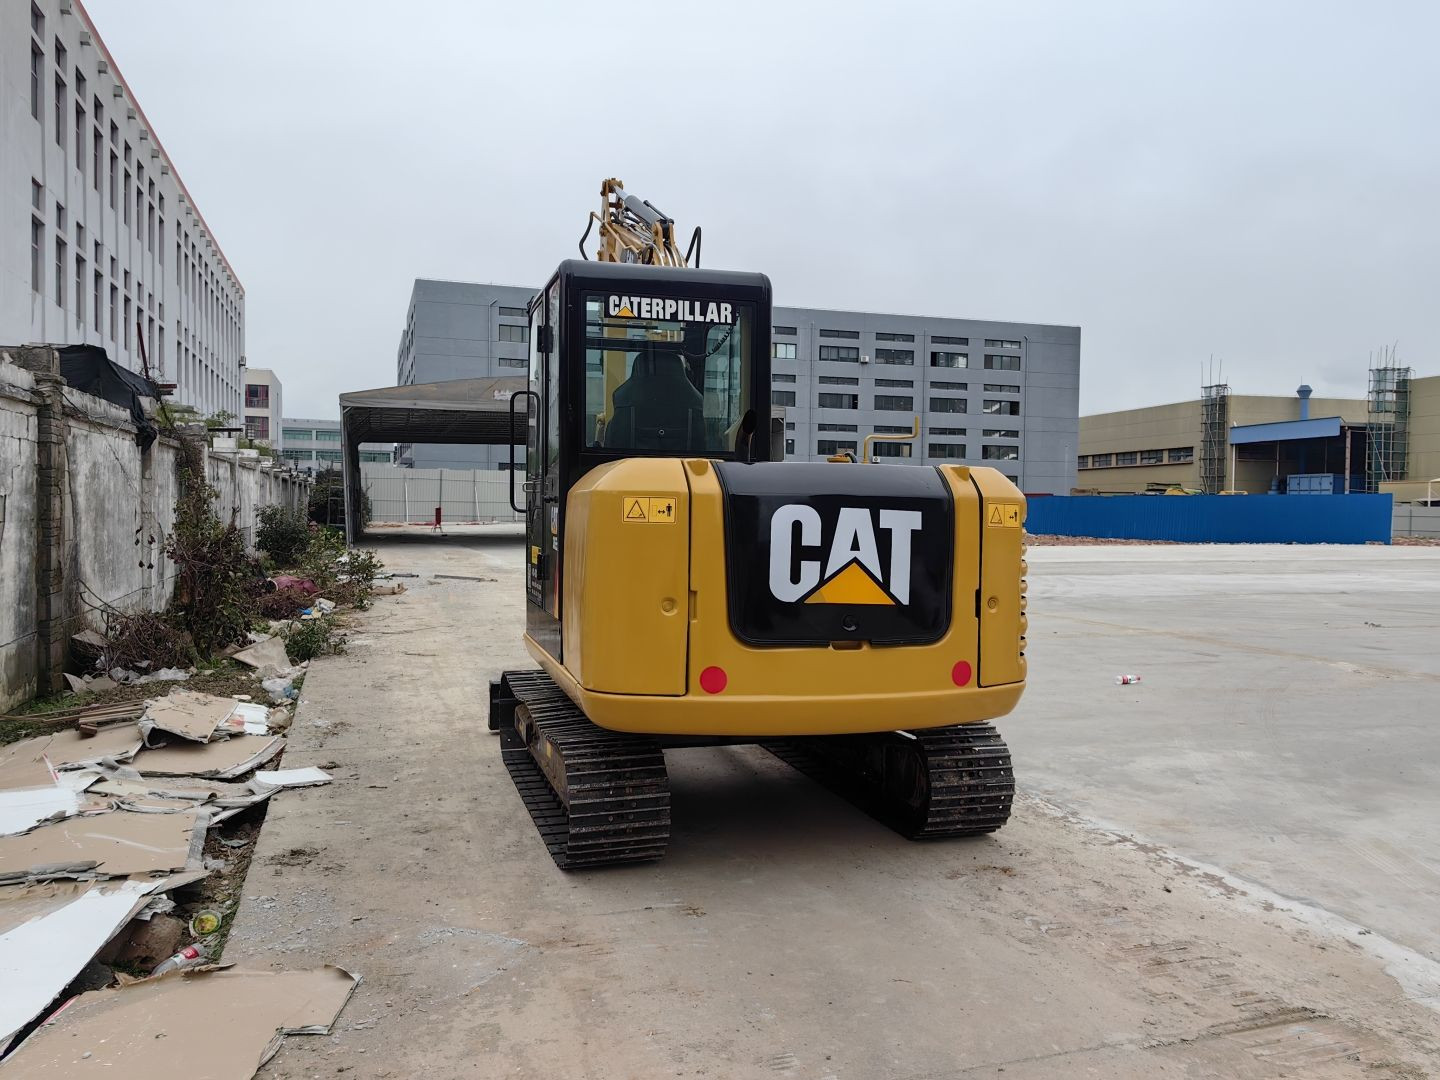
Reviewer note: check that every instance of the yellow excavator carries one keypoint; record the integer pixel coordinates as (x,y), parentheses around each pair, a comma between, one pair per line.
(687,586)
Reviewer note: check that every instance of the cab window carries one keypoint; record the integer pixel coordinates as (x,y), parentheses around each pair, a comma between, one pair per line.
(667,375)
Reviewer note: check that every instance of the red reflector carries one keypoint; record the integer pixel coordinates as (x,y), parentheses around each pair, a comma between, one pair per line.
(961,673)
(713,680)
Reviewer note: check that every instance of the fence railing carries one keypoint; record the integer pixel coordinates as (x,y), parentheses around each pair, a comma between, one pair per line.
(401,496)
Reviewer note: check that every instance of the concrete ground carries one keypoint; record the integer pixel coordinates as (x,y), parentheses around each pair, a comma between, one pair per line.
(787,934)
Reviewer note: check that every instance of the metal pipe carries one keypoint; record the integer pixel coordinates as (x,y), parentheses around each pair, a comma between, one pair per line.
(873,437)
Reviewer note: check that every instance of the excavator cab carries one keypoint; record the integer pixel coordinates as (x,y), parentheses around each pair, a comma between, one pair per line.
(633,361)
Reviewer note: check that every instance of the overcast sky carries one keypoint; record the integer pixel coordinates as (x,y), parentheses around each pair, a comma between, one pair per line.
(1259,182)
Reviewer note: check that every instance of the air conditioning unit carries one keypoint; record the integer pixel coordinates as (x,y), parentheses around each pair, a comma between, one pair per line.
(85,38)
(864,358)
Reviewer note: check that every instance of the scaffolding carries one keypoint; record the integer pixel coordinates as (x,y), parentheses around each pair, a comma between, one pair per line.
(1214,436)
(1387,431)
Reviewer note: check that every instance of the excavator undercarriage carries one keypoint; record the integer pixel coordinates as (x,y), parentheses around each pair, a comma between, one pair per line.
(601,798)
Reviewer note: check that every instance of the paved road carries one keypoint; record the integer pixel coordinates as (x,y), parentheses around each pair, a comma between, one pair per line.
(1287,727)
(785,934)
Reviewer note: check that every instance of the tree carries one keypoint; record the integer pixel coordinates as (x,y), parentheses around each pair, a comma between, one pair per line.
(327,500)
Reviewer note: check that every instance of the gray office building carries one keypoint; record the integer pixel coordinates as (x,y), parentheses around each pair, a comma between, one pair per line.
(994,393)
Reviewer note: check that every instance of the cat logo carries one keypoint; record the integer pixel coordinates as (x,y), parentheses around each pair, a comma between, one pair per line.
(852,570)
(669,309)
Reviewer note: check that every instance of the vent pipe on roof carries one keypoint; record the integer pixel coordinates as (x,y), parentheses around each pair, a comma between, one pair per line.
(1303,393)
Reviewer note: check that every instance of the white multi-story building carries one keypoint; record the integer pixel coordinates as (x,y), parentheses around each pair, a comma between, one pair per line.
(314,445)
(100,242)
(263,406)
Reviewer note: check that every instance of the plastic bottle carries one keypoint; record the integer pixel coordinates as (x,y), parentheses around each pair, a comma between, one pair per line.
(1126,680)
(188,957)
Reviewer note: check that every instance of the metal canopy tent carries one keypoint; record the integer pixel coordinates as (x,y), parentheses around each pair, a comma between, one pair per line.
(473,411)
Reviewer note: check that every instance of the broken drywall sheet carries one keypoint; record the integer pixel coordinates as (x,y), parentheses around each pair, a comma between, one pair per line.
(187,714)
(48,932)
(168,795)
(68,750)
(23,809)
(168,1026)
(293,777)
(105,845)
(268,651)
(223,760)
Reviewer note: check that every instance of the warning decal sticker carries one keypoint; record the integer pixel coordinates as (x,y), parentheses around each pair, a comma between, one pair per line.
(1003,516)
(648,509)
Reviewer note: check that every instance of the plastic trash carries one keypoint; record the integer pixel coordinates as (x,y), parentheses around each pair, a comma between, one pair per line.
(204,923)
(1126,680)
(279,689)
(188,957)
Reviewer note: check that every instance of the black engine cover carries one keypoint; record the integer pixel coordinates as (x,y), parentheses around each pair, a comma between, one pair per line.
(818,552)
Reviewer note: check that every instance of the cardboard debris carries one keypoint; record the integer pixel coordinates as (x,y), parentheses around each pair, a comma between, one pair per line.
(248,718)
(294,777)
(223,760)
(68,750)
(92,638)
(105,845)
(220,1024)
(161,795)
(48,932)
(268,651)
(388,590)
(24,770)
(23,809)
(188,714)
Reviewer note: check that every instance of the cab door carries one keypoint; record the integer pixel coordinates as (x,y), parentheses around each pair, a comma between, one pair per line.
(542,474)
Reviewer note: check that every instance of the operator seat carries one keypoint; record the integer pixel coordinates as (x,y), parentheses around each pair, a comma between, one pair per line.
(656,408)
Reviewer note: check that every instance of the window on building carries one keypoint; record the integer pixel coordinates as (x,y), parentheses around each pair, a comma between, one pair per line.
(37,21)
(838,380)
(513,312)
(783,397)
(789,425)
(79,134)
(114,178)
(1000,343)
(114,311)
(293,455)
(789,447)
(37,255)
(838,401)
(891,449)
(257,396)
(1001,388)
(95,157)
(1129,457)
(783,350)
(879,336)
(96,294)
(513,361)
(327,435)
(1182,453)
(946,451)
(257,427)
(907,383)
(894,403)
(895,356)
(941,339)
(1000,433)
(60,267)
(1152,457)
(376,455)
(1001,408)
(781,377)
(37,195)
(840,333)
(949,359)
(844,428)
(788,331)
(830,447)
(1000,453)
(1083,461)
(941,384)
(947,431)
(80,281)
(892,429)
(331,456)
(845,353)
(948,405)
(129,327)
(37,75)
(1001,362)
(61,109)
(511,332)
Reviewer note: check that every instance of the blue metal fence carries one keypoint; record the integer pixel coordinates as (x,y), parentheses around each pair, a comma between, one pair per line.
(1215,519)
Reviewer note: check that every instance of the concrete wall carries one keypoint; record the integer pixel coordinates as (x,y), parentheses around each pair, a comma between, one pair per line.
(90,533)
(1424,463)
(1417,521)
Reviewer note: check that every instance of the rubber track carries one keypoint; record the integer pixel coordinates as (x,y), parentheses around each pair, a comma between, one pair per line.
(619,808)
(970,781)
